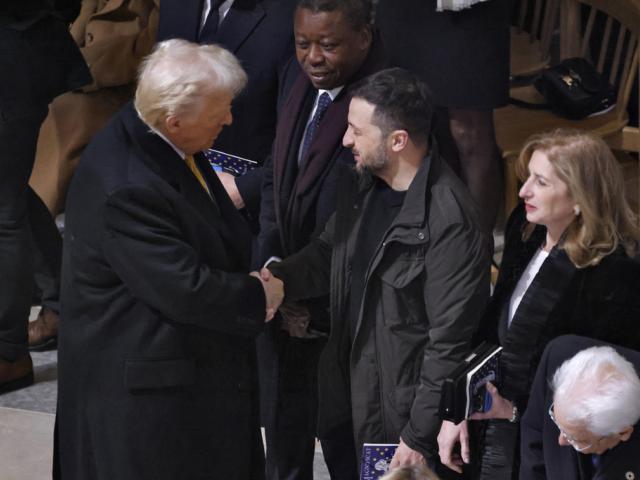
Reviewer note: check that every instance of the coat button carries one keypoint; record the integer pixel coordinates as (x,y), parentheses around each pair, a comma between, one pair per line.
(630,476)
(421,235)
(356,206)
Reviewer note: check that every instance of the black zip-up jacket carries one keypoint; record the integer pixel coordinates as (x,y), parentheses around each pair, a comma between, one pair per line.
(425,290)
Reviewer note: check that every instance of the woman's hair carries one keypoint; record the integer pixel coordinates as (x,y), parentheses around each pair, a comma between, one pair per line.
(591,172)
(415,472)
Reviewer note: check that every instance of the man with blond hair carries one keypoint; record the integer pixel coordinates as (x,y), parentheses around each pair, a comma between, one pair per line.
(156,344)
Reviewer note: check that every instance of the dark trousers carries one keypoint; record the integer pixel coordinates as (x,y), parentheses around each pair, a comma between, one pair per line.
(289,398)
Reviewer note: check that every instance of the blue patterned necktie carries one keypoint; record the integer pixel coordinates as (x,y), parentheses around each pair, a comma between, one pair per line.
(323,103)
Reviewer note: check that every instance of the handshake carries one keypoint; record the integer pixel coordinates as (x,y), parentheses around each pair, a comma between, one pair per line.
(273,291)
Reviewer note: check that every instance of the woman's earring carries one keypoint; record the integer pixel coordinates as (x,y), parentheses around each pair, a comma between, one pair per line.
(576,210)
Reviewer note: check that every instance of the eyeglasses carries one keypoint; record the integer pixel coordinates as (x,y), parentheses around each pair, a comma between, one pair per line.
(576,444)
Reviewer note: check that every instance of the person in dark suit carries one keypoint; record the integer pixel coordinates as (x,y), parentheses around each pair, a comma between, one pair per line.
(335,49)
(259,34)
(583,418)
(568,267)
(157,369)
(38,60)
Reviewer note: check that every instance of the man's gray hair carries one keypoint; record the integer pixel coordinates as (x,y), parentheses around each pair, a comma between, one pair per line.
(178,75)
(602,389)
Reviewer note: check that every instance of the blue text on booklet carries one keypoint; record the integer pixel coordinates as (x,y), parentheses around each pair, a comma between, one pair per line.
(376,458)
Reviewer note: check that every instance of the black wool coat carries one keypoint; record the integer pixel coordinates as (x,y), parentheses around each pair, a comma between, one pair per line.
(600,302)
(156,344)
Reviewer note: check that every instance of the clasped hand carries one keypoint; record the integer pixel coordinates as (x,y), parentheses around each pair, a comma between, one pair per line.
(273,291)
(450,434)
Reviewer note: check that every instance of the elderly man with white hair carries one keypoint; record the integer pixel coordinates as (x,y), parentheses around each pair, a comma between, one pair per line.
(582,419)
(156,344)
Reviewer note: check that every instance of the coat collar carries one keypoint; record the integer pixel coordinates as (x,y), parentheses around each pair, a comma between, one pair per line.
(162,159)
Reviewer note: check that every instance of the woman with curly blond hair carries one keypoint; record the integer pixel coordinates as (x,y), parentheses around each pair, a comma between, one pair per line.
(568,268)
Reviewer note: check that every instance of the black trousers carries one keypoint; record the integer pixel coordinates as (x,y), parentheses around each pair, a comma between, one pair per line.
(28,235)
(289,398)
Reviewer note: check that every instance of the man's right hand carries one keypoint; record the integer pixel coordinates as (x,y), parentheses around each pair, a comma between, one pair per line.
(450,435)
(273,291)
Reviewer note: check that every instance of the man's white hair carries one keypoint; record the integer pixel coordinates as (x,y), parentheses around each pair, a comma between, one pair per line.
(178,74)
(601,389)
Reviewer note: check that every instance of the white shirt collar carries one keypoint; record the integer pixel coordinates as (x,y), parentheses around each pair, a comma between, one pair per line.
(222,10)
(332,93)
(163,137)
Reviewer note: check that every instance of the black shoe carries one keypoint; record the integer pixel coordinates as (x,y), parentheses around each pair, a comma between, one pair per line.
(15,375)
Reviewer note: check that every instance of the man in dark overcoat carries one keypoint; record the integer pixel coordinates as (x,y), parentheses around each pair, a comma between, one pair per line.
(335,48)
(579,454)
(157,370)
(38,60)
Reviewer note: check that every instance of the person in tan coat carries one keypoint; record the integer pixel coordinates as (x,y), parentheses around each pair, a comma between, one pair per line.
(113,36)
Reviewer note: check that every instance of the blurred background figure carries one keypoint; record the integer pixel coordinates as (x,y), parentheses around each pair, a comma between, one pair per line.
(113,36)
(568,267)
(38,61)
(463,56)
(583,414)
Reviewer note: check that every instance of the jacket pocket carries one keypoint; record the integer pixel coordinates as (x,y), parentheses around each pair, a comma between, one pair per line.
(401,264)
(155,373)
(401,289)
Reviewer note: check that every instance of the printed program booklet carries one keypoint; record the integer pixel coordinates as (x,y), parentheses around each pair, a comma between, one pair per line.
(376,458)
(222,161)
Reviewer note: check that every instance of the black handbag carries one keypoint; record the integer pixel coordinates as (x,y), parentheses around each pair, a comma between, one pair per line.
(573,89)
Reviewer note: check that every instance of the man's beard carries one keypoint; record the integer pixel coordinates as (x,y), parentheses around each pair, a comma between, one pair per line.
(373,163)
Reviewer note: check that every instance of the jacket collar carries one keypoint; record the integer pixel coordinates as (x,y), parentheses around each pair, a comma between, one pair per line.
(413,213)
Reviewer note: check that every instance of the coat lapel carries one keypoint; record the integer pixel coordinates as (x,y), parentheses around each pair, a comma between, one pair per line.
(217,210)
(232,226)
(545,292)
(240,21)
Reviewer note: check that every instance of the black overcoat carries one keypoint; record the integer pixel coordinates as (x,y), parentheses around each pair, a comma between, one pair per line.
(156,344)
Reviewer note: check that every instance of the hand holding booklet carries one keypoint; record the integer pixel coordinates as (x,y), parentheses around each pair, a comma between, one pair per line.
(225,162)
(464,391)
(376,458)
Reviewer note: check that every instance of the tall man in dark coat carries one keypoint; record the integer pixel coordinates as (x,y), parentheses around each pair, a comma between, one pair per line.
(600,389)
(38,60)
(156,358)
(259,33)
(335,49)
(406,264)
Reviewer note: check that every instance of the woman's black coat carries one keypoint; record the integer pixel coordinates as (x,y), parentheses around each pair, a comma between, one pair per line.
(601,302)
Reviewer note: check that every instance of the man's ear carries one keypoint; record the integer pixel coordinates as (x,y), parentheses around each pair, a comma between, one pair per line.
(626,433)
(366,37)
(172,123)
(399,140)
